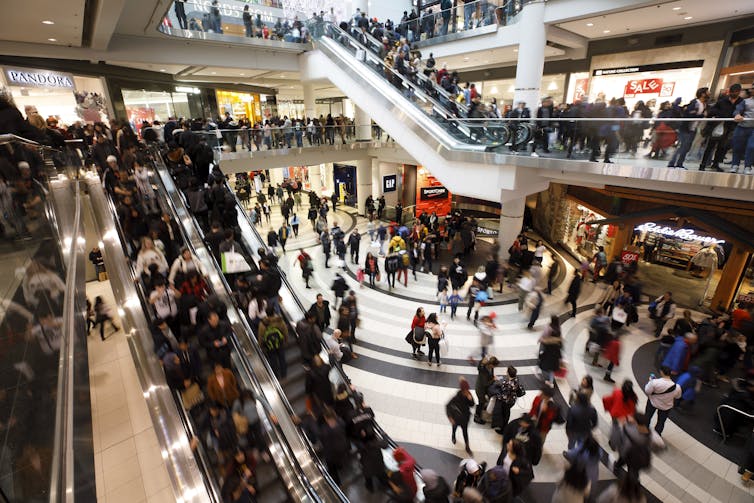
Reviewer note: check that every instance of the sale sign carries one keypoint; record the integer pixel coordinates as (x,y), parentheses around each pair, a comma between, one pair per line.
(580,89)
(629,257)
(644,86)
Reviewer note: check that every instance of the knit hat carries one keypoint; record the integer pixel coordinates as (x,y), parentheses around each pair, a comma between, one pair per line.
(430,478)
(464,384)
(23,165)
(112,158)
(471,465)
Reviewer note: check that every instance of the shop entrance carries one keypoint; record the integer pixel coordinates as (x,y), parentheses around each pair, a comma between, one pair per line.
(344,178)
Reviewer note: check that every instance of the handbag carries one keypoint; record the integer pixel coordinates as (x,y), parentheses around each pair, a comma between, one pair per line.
(718,131)
(420,336)
(192,396)
(241,423)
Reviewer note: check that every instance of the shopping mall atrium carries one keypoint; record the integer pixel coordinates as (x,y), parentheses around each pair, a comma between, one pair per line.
(311,251)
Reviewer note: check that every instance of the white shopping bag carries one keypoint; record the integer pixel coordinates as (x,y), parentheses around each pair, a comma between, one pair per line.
(233,262)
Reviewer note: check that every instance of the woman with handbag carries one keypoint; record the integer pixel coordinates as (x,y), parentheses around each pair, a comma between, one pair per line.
(417,328)
(433,334)
(458,411)
(505,391)
(485,378)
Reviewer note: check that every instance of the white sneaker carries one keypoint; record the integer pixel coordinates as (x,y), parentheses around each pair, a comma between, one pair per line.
(733,169)
(747,170)
(534,154)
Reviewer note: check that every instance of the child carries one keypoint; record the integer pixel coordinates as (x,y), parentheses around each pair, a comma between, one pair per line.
(443,295)
(453,300)
(360,277)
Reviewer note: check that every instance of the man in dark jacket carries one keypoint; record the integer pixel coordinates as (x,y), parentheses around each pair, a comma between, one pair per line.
(724,108)
(523,430)
(214,337)
(574,289)
(353,243)
(309,336)
(321,311)
(339,286)
(332,436)
(457,274)
(269,284)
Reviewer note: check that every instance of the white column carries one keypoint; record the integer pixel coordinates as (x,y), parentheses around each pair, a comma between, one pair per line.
(363,184)
(276,176)
(309,106)
(531,54)
(314,179)
(511,221)
(363,124)
(376,179)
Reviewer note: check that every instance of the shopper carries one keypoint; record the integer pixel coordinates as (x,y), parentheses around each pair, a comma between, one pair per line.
(434,334)
(458,411)
(550,348)
(485,378)
(621,405)
(505,391)
(574,487)
(662,393)
(519,467)
(581,420)
(522,430)
(417,329)
(662,310)
(436,488)
(574,289)
(273,333)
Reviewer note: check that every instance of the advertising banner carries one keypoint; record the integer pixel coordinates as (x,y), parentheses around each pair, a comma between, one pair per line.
(644,86)
(431,194)
(389,183)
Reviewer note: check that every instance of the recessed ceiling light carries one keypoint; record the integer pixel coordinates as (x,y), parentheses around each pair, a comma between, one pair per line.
(466,59)
(214,73)
(688,17)
(47,21)
(515,50)
(52,39)
(605,31)
(590,24)
(242,74)
(162,69)
(677,8)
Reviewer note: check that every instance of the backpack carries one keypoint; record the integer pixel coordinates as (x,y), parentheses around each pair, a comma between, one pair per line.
(272,338)
(636,454)
(495,486)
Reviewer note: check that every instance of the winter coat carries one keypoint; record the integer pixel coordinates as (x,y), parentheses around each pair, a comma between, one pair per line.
(549,353)
(677,358)
(459,408)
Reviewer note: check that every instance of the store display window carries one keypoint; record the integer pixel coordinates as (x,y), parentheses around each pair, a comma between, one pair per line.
(149,106)
(239,105)
(582,236)
(685,248)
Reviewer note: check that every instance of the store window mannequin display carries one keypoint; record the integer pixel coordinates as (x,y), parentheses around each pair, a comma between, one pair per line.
(706,260)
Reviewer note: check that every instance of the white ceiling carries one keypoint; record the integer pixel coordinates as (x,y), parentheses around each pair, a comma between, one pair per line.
(661,16)
(491,58)
(22,22)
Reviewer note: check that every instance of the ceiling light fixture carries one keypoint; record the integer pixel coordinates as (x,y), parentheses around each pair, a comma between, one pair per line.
(214,73)
(590,24)
(162,69)
(605,31)
(52,39)
(677,8)
(688,18)
(47,21)
(515,50)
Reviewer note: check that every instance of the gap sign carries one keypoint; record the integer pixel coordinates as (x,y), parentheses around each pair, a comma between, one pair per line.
(388,183)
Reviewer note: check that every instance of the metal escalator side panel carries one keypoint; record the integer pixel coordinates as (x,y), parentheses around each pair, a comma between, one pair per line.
(295,462)
(189,484)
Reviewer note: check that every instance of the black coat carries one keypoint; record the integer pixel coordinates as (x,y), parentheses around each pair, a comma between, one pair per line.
(439,493)
(574,289)
(334,442)
(370,454)
(581,419)
(529,438)
(459,408)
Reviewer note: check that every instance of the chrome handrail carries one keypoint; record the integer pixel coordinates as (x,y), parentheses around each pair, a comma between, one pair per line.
(720,419)
(62,470)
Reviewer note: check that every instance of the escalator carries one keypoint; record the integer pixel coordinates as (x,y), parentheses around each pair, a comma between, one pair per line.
(281,479)
(292,388)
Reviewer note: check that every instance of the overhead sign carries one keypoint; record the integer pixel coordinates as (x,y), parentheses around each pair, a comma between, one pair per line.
(23,77)
(430,193)
(685,234)
(486,231)
(600,72)
(389,183)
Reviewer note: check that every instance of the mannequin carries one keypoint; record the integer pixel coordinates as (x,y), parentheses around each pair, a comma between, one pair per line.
(706,259)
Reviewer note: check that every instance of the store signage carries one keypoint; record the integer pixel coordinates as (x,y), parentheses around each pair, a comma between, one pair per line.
(235,9)
(580,89)
(38,78)
(485,231)
(186,89)
(749,298)
(629,257)
(667,89)
(644,86)
(389,183)
(601,72)
(685,234)
(431,193)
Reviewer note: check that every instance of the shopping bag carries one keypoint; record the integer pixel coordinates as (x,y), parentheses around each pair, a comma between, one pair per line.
(620,315)
(491,405)
(102,276)
(719,130)
(444,347)
(562,371)
(233,262)
(192,396)
(361,55)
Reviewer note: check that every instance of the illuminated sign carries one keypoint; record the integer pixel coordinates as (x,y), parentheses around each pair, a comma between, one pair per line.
(38,78)
(388,183)
(428,193)
(685,234)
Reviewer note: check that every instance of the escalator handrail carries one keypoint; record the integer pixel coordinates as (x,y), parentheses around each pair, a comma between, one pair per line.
(437,106)
(344,377)
(62,470)
(145,360)
(164,177)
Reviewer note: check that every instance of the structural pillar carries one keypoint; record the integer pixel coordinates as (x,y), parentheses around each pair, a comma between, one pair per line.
(310,109)
(376,179)
(531,53)
(619,240)
(315,180)
(511,222)
(731,275)
(363,184)
(363,124)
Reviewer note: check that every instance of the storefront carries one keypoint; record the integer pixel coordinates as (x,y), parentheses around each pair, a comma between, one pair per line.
(239,104)
(685,248)
(648,83)
(431,195)
(143,105)
(582,237)
(504,89)
(299,175)
(67,97)
(739,61)
(344,179)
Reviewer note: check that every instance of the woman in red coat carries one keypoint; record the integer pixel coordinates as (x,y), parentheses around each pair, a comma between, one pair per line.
(544,411)
(611,352)
(620,404)
(417,322)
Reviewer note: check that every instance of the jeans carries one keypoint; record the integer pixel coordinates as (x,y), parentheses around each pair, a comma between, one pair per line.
(662,416)
(453,309)
(299,139)
(180,13)
(685,139)
(468,11)
(391,279)
(743,146)
(247,29)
